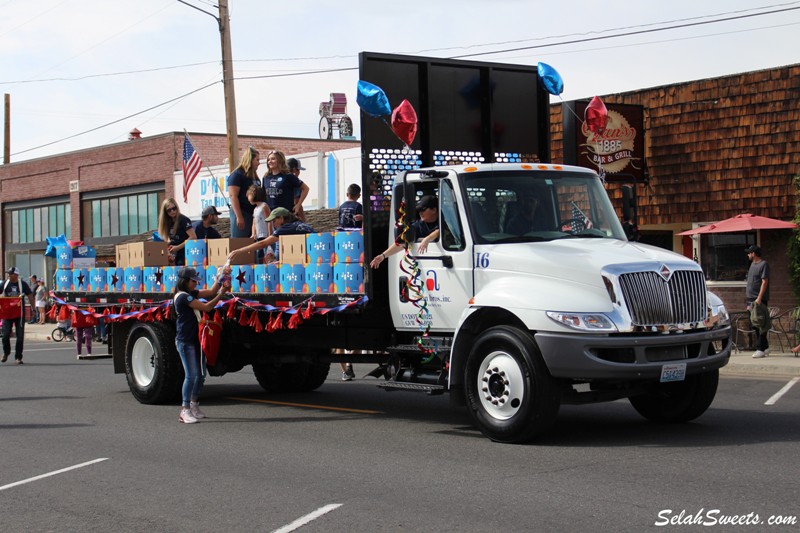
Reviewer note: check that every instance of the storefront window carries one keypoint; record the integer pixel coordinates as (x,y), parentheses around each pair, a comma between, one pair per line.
(122,215)
(35,224)
(723,257)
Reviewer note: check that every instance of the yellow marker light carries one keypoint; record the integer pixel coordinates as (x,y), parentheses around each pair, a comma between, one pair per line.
(526,167)
(470,169)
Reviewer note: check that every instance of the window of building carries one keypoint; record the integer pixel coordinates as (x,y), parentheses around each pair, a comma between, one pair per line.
(34,224)
(723,257)
(121,215)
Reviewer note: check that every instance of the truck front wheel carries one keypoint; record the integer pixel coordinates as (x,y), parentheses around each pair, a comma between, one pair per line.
(509,392)
(678,401)
(152,365)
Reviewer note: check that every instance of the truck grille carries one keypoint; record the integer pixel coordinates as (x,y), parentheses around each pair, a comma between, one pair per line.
(653,301)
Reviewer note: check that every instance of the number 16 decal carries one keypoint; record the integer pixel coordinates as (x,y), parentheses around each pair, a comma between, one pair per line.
(482,260)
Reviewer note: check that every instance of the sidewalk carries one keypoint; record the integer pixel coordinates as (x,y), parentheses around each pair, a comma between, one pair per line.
(742,363)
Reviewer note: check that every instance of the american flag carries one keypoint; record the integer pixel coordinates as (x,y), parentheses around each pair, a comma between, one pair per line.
(580,221)
(191,165)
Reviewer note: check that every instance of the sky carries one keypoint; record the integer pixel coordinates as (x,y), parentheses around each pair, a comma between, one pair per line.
(84,73)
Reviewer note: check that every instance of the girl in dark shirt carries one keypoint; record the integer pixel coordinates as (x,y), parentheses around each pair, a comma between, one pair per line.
(281,184)
(239,182)
(187,308)
(175,228)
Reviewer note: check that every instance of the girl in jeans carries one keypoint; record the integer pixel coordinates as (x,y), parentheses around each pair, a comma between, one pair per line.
(187,308)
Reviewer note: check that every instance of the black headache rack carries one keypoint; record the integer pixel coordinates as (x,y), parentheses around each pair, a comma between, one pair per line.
(467,112)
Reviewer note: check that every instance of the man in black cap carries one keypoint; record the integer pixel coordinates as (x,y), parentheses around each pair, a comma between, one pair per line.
(203,228)
(15,288)
(757,293)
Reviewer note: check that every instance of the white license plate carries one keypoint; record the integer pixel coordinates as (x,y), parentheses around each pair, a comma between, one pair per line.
(676,372)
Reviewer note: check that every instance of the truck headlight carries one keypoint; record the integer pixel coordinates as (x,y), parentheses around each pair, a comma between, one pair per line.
(592,322)
(717,313)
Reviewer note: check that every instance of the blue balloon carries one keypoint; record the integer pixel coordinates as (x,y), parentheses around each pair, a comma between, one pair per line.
(52,242)
(372,100)
(550,78)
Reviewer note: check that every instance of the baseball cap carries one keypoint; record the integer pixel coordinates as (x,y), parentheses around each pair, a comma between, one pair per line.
(278,212)
(294,164)
(427,202)
(753,248)
(188,273)
(210,210)
(13,270)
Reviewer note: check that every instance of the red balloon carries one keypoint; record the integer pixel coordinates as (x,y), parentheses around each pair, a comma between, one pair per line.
(404,122)
(596,116)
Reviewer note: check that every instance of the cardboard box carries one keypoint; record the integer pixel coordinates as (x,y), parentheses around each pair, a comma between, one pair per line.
(63,257)
(84,257)
(196,253)
(319,248)
(211,275)
(267,277)
(98,278)
(292,250)
(319,278)
(349,247)
(152,279)
(348,278)
(122,256)
(115,279)
(292,278)
(218,250)
(132,281)
(242,279)
(143,254)
(80,279)
(63,279)
(169,277)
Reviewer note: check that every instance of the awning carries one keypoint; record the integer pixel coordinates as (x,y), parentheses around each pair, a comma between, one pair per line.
(743,222)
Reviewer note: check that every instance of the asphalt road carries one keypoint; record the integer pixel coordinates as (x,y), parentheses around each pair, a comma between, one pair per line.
(351,457)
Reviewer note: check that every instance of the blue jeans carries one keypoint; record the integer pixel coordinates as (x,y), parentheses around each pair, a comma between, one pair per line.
(194,370)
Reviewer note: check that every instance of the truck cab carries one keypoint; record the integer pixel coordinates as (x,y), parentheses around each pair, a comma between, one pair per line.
(540,299)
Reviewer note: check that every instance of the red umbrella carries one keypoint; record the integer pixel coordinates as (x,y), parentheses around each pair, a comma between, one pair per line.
(743,222)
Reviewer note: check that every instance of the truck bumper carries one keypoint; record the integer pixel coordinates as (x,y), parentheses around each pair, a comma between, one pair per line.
(588,357)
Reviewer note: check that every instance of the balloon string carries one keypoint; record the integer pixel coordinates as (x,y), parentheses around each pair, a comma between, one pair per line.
(414,286)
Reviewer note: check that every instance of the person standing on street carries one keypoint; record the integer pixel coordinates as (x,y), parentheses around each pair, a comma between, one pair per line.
(34,284)
(757,293)
(188,305)
(15,288)
(40,292)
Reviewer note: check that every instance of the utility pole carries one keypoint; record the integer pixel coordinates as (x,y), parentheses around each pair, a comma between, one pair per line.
(227,83)
(7,131)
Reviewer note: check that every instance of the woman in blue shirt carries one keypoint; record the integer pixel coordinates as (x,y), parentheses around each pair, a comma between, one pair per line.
(239,182)
(187,309)
(281,184)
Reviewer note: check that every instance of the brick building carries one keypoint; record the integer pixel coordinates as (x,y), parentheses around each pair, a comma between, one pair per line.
(121,184)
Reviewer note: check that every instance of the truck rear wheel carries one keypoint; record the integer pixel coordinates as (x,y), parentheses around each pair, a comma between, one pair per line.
(152,365)
(678,401)
(509,392)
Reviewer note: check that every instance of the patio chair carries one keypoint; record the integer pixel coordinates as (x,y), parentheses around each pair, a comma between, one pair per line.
(786,328)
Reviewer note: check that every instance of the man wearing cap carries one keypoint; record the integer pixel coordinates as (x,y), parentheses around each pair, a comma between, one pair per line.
(203,228)
(15,288)
(425,228)
(757,292)
(284,223)
(302,191)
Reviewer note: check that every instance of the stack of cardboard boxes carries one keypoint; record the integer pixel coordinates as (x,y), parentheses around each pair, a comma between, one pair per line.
(313,263)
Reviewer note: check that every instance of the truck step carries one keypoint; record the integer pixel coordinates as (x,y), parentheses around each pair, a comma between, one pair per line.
(441,350)
(413,387)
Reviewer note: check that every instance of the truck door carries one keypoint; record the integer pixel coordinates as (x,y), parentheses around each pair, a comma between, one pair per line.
(444,272)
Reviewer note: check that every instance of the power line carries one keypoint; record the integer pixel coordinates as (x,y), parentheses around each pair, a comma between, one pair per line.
(325,71)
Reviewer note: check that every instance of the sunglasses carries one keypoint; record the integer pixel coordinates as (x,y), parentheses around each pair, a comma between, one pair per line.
(173,208)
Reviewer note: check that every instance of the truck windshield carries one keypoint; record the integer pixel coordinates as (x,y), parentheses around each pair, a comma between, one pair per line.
(532,206)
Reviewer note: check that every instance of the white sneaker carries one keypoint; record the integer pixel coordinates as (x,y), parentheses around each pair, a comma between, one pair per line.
(766,352)
(758,354)
(194,408)
(186,417)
